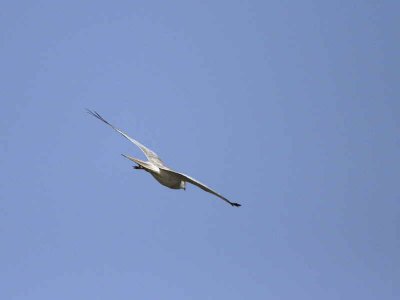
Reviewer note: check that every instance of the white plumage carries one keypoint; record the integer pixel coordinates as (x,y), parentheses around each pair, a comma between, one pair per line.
(156,167)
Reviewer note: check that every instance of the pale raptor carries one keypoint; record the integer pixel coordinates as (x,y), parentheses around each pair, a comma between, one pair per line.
(156,167)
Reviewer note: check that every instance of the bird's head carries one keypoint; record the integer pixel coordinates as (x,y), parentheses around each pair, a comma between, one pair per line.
(183,185)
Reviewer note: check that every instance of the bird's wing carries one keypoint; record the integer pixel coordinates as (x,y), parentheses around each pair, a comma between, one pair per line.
(151,155)
(191,180)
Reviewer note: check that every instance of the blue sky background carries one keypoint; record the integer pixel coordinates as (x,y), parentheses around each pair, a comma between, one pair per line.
(289,107)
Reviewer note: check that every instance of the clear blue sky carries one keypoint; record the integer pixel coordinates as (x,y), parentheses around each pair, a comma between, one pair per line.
(288,107)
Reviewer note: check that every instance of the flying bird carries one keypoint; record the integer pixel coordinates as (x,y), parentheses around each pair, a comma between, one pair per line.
(156,167)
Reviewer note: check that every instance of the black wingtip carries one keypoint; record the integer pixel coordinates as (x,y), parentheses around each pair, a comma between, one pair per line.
(236,204)
(98,116)
(91,112)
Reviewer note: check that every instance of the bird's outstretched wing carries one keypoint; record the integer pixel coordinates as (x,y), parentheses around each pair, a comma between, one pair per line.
(191,180)
(151,155)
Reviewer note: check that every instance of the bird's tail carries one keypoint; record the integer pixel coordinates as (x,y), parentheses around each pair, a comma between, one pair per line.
(136,160)
(147,166)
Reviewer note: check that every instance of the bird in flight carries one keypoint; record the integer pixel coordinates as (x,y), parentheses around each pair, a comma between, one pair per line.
(156,167)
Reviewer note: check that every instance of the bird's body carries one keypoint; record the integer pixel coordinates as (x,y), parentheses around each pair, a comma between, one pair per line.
(161,175)
(169,180)
(156,167)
